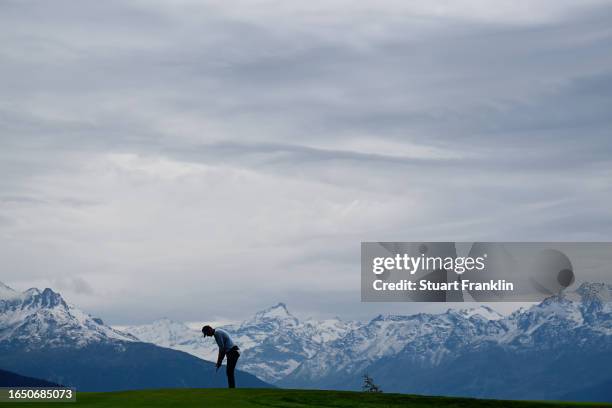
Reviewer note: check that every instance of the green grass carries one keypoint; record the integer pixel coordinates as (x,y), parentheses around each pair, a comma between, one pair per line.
(262,398)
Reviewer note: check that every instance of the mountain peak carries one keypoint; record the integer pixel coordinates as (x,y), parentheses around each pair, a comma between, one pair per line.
(47,298)
(37,318)
(279,305)
(590,290)
(278,312)
(482,311)
(6,292)
(31,292)
(4,286)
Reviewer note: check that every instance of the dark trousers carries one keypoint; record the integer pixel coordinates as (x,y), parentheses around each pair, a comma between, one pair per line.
(232,359)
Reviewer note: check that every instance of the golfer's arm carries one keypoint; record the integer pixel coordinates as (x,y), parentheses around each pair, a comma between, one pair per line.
(221,344)
(221,356)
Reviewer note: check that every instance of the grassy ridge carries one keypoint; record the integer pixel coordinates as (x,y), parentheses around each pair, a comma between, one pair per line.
(261,398)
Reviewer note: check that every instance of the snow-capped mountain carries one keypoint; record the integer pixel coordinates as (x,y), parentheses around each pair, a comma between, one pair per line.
(544,352)
(549,350)
(37,319)
(273,342)
(166,333)
(44,337)
(175,335)
(483,311)
(426,336)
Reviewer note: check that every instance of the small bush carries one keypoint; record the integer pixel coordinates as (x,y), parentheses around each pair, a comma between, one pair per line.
(368,384)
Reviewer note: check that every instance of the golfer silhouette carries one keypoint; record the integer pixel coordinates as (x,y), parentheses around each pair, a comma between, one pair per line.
(226,348)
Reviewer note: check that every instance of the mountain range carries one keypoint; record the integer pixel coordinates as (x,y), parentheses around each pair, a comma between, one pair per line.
(558,349)
(561,345)
(44,337)
(273,341)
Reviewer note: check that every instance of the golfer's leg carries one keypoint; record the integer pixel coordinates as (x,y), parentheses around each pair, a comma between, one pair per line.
(231,366)
(235,364)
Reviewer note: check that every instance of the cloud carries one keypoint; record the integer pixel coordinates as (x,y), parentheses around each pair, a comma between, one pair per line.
(73,284)
(165,158)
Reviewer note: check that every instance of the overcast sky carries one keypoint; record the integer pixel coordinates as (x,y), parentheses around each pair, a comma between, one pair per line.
(205,159)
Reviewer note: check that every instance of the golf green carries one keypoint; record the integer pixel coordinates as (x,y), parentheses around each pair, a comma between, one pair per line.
(176,398)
